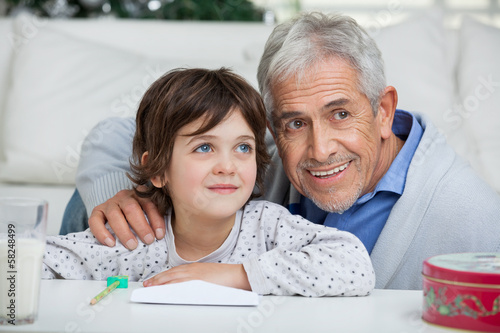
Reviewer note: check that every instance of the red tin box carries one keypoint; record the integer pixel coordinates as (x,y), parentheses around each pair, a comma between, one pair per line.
(462,290)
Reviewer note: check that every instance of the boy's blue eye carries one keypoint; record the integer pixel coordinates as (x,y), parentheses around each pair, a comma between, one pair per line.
(244,148)
(205,148)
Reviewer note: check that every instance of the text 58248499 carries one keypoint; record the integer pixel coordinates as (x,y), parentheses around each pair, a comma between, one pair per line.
(11,273)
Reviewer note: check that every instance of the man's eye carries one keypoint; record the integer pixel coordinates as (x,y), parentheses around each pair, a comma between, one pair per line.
(204,148)
(244,148)
(295,124)
(341,115)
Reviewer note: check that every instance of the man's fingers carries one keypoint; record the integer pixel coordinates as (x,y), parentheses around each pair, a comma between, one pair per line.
(97,223)
(156,220)
(134,214)
(123,209)
(121,228)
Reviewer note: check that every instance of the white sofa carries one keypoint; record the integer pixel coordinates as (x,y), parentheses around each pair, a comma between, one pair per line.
(58,78)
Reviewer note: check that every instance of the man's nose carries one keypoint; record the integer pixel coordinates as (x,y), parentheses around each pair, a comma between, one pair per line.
(322,143)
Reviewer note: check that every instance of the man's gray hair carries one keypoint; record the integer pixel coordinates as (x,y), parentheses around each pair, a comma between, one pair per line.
(313,38)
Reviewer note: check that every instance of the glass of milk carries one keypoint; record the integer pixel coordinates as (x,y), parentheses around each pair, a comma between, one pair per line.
(23,222)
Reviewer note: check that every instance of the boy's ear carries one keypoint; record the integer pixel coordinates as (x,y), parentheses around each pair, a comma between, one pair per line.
(144,158)
(156,180)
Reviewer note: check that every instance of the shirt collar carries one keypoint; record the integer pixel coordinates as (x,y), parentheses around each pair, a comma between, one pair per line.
(407,128)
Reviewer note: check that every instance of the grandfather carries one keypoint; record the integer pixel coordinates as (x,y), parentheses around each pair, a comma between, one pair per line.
(343,156)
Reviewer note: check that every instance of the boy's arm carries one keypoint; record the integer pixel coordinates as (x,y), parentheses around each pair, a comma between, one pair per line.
(311,260)
(77,256)
(229,275)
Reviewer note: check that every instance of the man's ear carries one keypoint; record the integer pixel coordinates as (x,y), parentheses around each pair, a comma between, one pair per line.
(270,128)
(386,111)
(156,180)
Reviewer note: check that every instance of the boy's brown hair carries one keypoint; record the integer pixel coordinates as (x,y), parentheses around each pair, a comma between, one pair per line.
(178,98)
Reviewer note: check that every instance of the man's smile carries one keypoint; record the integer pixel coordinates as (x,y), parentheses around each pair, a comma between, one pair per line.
(329,173)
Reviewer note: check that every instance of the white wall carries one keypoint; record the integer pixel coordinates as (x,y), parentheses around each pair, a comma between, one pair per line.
(387,12)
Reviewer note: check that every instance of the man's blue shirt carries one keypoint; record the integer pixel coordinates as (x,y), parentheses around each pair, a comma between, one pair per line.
(367,216)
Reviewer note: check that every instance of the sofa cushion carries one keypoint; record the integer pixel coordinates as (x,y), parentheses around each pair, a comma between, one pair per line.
(63,85)
(60,88)
(5,65)
(420,60)
(479,88)
(415,56)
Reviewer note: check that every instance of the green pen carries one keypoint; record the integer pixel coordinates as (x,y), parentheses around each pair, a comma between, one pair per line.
(119,281)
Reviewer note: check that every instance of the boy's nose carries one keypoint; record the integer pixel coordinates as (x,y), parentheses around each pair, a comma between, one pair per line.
(225,165)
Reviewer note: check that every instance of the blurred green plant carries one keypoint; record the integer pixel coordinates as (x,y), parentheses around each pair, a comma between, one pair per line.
(212,10)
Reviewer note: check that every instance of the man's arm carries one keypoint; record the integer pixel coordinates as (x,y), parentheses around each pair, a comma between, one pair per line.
(106,190)
(104,161)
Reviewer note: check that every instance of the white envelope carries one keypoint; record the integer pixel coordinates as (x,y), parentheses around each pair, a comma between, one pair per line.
(195,292)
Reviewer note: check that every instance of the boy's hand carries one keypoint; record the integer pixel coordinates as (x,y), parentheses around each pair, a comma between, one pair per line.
(228,275)
(121,210)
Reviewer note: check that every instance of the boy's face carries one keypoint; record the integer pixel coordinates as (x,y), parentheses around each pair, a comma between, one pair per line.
(212,174)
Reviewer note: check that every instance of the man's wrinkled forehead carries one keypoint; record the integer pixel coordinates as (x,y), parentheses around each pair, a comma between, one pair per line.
(292,85)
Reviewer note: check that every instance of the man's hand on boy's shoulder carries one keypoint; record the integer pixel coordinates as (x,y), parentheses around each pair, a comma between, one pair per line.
(125,211)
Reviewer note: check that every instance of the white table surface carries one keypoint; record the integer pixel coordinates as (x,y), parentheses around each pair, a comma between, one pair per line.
(64,307)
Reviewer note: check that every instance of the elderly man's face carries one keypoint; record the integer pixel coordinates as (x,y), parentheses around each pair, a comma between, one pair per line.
(329,140)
